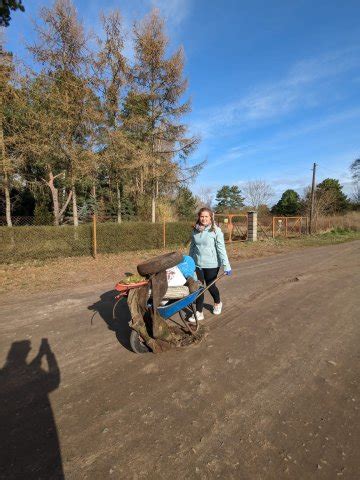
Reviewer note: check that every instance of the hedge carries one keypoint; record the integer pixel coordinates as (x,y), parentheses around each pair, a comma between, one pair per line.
(42,242)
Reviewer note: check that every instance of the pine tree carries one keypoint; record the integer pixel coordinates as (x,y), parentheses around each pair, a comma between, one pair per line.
(332,188)
(289,204)
(5,10)
(111,76)
(37,142)
(61,49)
(159,80)
(186,204)
(229,199)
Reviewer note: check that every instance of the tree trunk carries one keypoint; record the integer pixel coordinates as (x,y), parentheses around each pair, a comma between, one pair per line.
(7,200)
(153,207)
(6,176)
(74,206)
(153,200)
(55,199)
(57,211)
(118,193)
(93,194)
(141,181)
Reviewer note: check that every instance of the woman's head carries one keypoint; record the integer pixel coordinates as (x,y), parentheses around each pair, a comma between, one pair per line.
(206,217)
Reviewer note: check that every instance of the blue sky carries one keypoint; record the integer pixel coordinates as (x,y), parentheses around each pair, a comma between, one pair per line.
(275,85)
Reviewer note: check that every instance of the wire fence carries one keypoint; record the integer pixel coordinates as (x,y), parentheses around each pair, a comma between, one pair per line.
(17,221)
(235,227)
(26,241)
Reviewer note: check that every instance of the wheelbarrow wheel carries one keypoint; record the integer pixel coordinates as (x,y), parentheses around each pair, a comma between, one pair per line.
(136,344)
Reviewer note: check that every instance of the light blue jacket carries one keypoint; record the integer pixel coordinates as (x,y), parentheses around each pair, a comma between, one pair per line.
(208,250)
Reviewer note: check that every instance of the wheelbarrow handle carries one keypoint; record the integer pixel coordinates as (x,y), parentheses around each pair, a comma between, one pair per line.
(211,284)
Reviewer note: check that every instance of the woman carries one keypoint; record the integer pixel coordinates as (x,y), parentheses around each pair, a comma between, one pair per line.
(207,248)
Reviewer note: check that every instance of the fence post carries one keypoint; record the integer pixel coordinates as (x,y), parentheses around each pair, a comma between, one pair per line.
(94,236)
(252,226)
(273,227)
(164,232)
(286,227)
(230,227)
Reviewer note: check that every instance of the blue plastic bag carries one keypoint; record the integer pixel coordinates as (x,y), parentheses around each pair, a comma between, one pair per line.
(187,266)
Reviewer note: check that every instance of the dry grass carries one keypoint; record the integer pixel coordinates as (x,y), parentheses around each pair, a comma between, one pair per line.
(349,221)
(67,273)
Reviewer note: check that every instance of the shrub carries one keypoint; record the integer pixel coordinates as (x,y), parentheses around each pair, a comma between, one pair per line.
(41,242)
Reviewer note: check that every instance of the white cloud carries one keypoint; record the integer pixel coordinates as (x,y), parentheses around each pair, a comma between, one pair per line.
(174,11)
(328,65)
(303,86)
(278,141)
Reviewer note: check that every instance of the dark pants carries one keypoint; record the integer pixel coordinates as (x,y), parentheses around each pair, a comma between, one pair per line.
(207,275)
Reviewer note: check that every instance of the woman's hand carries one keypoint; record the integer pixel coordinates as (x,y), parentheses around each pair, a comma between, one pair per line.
(228,272)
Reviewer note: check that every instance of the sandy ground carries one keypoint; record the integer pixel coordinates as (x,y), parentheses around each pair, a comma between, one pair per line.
(271,393)
(33,276)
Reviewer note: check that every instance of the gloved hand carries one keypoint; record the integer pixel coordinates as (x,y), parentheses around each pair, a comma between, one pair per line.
(228,272)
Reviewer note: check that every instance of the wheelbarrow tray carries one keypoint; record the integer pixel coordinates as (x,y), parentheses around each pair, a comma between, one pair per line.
(168,311)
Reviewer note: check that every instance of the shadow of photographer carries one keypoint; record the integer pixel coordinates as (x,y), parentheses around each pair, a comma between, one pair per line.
(28,433)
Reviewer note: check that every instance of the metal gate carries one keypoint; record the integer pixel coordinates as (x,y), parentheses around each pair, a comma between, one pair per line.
(234,226)
(289,226)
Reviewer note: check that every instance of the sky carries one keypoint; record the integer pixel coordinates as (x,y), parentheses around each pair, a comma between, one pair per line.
(274,84)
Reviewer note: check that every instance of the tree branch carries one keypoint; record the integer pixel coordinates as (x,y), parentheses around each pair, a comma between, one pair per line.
(61,213)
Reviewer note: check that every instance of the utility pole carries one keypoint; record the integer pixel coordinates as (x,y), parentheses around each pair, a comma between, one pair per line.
(312,200)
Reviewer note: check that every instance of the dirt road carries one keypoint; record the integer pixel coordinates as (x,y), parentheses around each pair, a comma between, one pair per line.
(272,392)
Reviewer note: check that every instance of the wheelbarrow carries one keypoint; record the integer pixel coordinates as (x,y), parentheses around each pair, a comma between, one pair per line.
(175,305)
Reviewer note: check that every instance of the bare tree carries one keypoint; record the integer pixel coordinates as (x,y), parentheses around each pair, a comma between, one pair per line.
(324,201)
(257,192)
(355,173)
(205,197)
(355,169)
(356,192)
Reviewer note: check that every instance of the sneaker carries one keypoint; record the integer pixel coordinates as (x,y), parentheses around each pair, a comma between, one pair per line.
(199,316)
(217,309)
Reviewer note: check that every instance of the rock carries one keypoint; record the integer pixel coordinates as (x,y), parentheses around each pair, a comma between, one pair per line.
(331,362)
